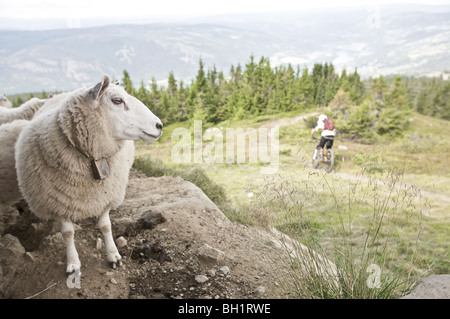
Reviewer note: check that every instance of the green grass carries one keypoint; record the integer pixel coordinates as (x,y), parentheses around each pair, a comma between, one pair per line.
(357,228)
(195,175)
(385,204)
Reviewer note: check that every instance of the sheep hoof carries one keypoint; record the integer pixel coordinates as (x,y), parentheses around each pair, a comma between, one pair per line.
(116,263)
(73,268)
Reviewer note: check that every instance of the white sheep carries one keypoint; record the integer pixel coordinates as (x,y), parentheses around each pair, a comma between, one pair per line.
(5,102)
(9,188)
(73,162)
(24,112)
(52,102)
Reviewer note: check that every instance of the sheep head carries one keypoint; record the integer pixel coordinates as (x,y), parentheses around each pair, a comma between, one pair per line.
(129,118)
(4,101)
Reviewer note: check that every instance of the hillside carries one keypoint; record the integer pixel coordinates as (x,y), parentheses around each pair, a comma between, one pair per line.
(405,178)
(381,40)
(166,223)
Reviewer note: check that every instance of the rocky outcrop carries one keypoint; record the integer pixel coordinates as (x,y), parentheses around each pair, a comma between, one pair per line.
(176,243)
(432,287)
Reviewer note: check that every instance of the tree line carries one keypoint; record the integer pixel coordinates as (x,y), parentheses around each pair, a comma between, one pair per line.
(255,89)
(429,96)
(362,110)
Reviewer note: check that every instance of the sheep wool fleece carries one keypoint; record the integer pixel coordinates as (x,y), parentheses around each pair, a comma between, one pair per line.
(54,172)
(24,112)
(9,189)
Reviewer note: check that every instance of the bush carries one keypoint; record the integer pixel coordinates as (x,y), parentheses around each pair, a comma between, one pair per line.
(370,163)
(392,122)
(195,175)
(311,121)
(358,123)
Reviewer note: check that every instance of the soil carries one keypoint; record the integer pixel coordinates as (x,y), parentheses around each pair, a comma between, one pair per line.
(162,224)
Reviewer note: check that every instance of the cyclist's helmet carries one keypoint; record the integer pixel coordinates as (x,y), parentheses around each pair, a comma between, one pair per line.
(321,118)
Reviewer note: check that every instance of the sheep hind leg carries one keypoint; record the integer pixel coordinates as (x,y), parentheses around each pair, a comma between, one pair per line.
(112,254)
(68,232)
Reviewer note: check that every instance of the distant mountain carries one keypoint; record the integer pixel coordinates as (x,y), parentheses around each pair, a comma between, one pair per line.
(376,40)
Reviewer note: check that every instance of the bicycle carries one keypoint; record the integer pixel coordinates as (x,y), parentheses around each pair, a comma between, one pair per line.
(325,156)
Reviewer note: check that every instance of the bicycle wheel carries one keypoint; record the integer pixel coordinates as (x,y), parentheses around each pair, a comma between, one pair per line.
(316,162)
(330,161)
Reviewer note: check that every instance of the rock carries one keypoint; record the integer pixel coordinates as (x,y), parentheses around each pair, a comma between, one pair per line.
(260,290)
(113,281)
(225,270)
(121,242)
(209,254)
(433,287)
(59,237)
(148,250)
(150,219)
(11,244)
(342,148)
(98,244)
(201,279)
(29,256)
(54,239)
(12,256)
(124,226)
(211,272)
(37,227)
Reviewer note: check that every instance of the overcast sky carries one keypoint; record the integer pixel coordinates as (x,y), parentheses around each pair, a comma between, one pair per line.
(82,9)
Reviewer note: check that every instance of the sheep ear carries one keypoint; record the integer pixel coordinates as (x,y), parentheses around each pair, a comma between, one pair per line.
(97,91)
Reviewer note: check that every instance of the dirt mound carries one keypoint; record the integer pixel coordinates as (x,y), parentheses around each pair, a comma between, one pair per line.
(174,241)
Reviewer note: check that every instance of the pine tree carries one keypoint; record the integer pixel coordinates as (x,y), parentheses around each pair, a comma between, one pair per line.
(341,101)
(442,102)
(395,110)
(379,88)
(356,87)
(172,84)
(306,87)
(360,123)
(127,84)
(183,93)
(200,80)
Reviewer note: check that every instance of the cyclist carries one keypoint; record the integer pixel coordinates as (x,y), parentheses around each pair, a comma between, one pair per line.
(327,135)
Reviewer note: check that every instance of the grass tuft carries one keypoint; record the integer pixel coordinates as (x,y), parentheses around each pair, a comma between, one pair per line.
(357,231)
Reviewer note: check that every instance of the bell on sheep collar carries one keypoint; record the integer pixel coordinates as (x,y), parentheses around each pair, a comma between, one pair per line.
(100,168)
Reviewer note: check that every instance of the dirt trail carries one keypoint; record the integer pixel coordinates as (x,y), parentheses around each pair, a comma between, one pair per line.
(438,202)
(287,121)
(260,145)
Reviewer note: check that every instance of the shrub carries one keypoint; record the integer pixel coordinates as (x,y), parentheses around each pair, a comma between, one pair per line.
(311,121)
(195,175)
(371,163)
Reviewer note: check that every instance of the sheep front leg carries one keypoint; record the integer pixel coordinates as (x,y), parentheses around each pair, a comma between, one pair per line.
(68,232)
(112,254)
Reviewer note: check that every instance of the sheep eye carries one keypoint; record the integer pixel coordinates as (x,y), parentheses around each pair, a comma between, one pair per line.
(117,100)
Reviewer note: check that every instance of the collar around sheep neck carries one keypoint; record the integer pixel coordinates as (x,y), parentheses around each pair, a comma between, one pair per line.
(100,167)
(72,143)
